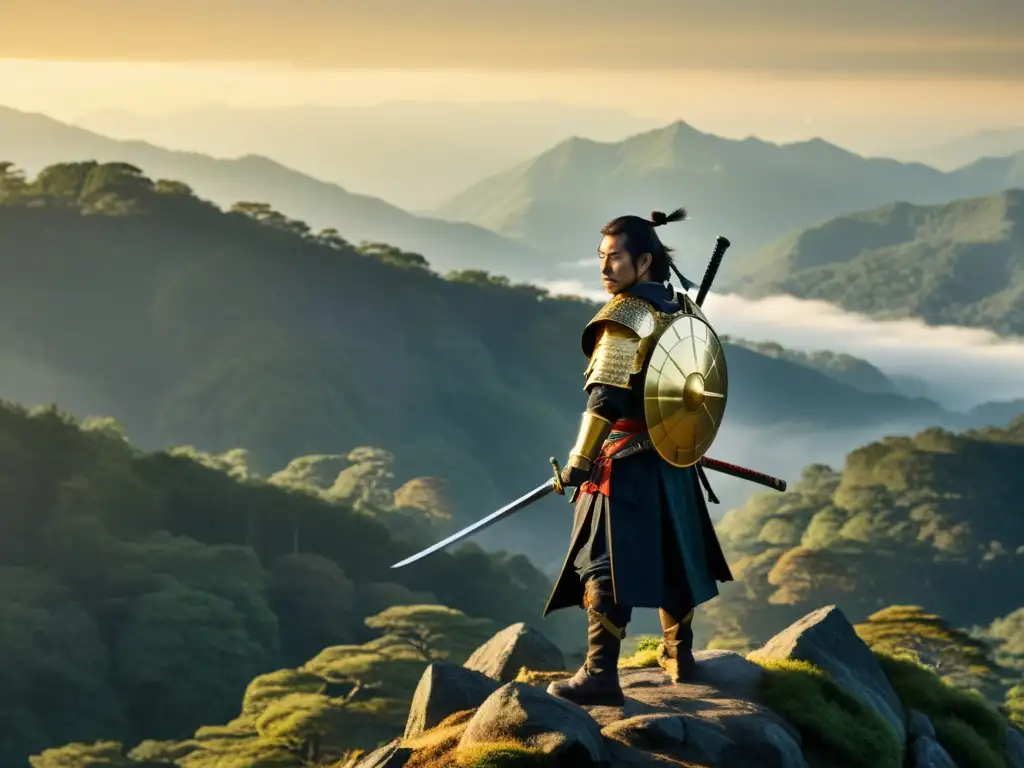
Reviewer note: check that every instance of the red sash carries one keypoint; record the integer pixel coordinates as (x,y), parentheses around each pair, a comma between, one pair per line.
(623,431)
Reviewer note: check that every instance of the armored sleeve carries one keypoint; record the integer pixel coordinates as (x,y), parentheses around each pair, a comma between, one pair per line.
(616,356)
(616,341)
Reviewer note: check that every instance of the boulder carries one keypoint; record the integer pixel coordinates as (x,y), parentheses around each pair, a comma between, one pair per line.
(529,715)
(515,647)
(1014,748)
(655,731)
(391,755)
(928,753)
(728,672)
(826,639)
(443,690)
(724,725)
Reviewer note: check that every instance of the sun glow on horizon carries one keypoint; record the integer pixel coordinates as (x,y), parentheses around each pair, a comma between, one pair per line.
(857,113)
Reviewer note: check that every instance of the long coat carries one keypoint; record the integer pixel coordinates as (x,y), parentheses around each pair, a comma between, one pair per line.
(659,536)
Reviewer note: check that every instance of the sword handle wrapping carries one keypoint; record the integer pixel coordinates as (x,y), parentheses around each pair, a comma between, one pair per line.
(559,488)
(743,473)
(721,246)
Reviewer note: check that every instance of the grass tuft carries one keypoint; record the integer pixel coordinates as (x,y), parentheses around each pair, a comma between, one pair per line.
(968,728)
(503,754)
(829,719)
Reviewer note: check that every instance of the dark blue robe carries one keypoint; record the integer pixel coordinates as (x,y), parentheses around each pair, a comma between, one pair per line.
(653,532)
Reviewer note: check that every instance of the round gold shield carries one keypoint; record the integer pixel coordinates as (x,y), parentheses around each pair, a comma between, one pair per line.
(685,390)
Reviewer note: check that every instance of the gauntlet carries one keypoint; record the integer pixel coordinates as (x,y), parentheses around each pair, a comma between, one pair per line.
(593,431)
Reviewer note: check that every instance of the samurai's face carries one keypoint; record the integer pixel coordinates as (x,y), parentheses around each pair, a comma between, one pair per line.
(618,272)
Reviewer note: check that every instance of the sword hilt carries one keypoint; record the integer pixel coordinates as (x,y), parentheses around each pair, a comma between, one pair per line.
(559,488)
(721,246)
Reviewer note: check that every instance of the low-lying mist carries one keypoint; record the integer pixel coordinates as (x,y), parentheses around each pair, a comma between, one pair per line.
(960,367)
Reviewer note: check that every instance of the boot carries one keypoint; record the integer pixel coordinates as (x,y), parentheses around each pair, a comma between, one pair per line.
(676,653)
(597,681)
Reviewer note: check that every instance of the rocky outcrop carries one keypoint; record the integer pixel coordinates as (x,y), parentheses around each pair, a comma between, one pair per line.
(723,718)
(391,755)
(528,715)
(443,690)
(514,648)
(828,641)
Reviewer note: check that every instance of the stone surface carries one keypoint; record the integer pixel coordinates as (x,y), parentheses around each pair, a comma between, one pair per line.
(928,753)
(391,755)
(826,639)
(443,690)
(728,672)
(654,731)
(527,714)
(515,647)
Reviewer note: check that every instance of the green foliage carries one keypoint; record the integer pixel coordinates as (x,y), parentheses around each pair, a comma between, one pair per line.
(1014,706)
(909,261)
(927,519)
(967,727)
(505,754)
(427,629)
(396,257)
(645,659)
(102,754)
(647,643)
(830,720)
(313,600)
(844,368)
(141,594)
(960,659)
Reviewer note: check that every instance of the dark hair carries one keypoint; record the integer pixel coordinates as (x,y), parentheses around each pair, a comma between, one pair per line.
(640,238)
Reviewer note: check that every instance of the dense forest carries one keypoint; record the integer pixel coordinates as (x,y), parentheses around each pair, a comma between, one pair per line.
(173,608)
(140,592)
(931,520)
(133,298)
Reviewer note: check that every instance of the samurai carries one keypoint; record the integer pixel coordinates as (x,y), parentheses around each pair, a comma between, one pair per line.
(642,536)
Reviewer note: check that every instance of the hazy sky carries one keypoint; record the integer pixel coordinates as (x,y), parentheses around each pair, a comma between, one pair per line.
(867,69)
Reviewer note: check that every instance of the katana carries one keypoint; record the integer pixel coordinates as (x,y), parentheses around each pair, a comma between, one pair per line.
(555,485)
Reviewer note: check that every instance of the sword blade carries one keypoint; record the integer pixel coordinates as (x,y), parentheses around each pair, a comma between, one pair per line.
(523,501)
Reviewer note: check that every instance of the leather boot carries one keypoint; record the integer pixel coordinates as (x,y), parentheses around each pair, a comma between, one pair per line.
(597,681)
(676,653)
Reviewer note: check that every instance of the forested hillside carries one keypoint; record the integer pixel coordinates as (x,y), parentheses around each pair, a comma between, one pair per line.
(126,297)
(930,520)
(141,592)
(956,264)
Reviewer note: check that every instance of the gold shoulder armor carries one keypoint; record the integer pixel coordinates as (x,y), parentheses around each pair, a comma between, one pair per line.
(614,340)
(625,310)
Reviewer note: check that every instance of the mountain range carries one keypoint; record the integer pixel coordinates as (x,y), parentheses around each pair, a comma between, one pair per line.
(538,219)
(33,141)
(412,154)
(960,151)
(749,190)
(961,263)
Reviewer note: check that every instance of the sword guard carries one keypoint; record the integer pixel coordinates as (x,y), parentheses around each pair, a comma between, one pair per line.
(559,488)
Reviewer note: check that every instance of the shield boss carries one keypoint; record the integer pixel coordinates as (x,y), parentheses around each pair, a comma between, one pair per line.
(685,391)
